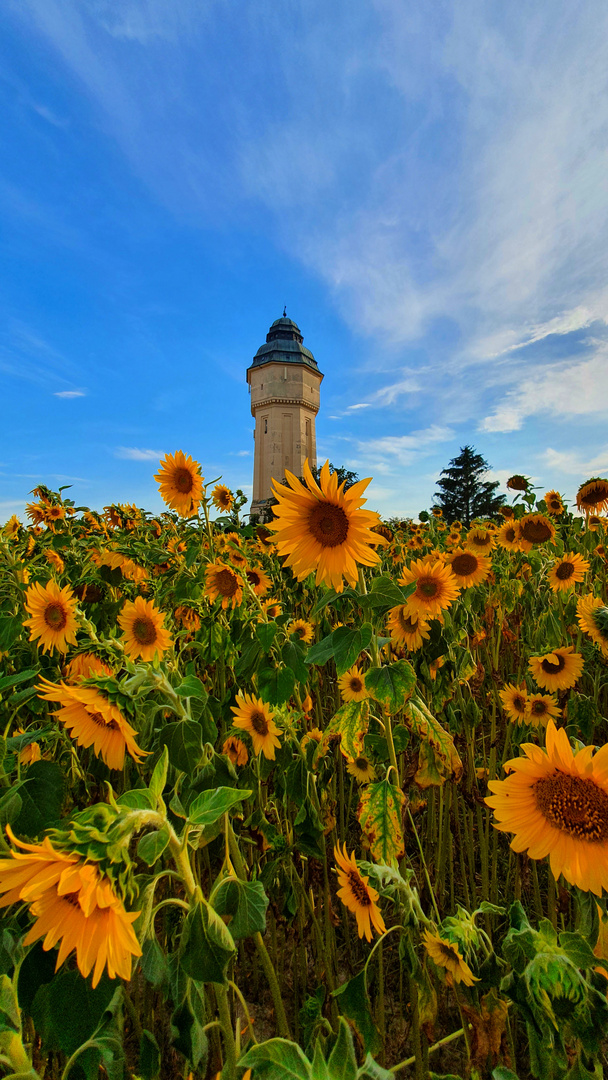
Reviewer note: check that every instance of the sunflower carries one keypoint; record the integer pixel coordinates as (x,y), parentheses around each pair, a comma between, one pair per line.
(595,522)
(222,497)
(35,512)
(54,558)
(600,551)
(556,803)
(541,708)
(222,581)
(435,666)
(407,627)
(30,753)
(481,539)
(314,735)
(436,587)
(352,685)
(181,483)
(507,536)
(506,511)
(53,616)
(323,528)
(436,511)
(535,529)
(272,609)
(54,513)
(515,702)
(566,571)
(264,537)
(258,579)
(416,542)
(592,615)
(453,538)
(303,630)
(92,720)
(73,905)
(237,558)
(468,567)
(253,715)
(383,530)
(517,482)
(446,954)
(86,666)
(554,504)
(236,750)
(557,670)
(188,618)
(593,495)
(144,634)
(361,768)
(357,895)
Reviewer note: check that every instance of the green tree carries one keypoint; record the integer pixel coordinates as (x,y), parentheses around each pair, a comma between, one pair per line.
(464,494)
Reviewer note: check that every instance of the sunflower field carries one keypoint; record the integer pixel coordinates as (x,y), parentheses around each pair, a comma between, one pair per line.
(317,800)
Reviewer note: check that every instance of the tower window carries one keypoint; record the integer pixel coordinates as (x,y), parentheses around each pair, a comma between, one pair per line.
(308,427)
(265,427)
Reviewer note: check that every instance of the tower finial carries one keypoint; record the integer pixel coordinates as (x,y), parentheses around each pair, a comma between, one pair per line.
(284,310)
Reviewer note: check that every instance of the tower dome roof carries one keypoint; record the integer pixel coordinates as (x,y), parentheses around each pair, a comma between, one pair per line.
(284,345)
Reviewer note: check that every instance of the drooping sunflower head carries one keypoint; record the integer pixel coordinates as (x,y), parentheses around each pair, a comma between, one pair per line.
(237,558)
(222,498)
(52,613)
(469,567)
(481,539)
(383,530)
(236,750)
(568,570)
(352,685)
(436,587)
(593,495)
(93,720)
(144,634)
(557,670)
(446,954)
(357,895)
(322,528)
(517,482)
(86,665)
(535,529)
(592,615)
(407,627)
(506,511)
(180,483)
(554,503)
(556,804)
(595,522)
(254,716)
(223,583)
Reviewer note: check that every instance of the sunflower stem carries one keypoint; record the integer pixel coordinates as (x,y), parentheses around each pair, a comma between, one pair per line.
(221,997)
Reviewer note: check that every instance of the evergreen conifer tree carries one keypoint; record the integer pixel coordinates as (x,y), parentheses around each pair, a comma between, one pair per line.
(464,494)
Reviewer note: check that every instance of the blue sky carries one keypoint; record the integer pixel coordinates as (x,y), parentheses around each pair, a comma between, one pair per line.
(423,185)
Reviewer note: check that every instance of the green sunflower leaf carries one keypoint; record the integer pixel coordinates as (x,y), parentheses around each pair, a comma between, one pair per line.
(379,813)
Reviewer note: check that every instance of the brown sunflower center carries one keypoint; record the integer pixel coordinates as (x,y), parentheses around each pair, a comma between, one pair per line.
(519,703)
(409,623)
(359,889)
(55,616)
(464,564)
(328,524)
(428,587)
(539,707)
(301,632)
(355,684)
(553,669)
(448,952)
(555,504)
(100,720)
(253,578)
(535,532)
(482,540)
(259,722)
(144,630)
(183,480)
(564,571)
(592,495)
(510,535)
(574,805)
(226,583)
(362,764)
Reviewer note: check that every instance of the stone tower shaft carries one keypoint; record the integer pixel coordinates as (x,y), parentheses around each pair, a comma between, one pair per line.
(284,382)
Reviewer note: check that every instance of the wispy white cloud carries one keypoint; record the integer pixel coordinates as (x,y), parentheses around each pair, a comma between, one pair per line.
(133,453)
(69,393)
(404,449)
(566,390)
(573,463)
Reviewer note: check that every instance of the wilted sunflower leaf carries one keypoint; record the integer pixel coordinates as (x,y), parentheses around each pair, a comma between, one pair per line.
(422,722)
(379,816)
(351,723)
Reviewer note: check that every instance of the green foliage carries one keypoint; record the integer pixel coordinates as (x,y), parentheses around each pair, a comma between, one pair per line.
(463,493)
